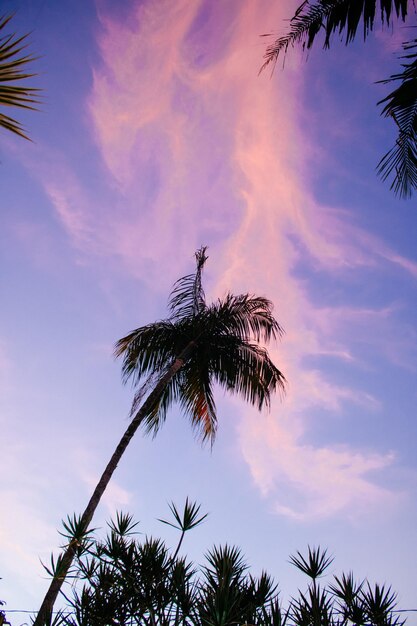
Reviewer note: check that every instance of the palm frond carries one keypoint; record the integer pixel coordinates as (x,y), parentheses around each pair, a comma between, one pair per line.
(245,369)
(401,106)
(13,62)
(148,349)
(155,418)
(197,400)
(241,367)
(187,296)
(245,316)
(332,16)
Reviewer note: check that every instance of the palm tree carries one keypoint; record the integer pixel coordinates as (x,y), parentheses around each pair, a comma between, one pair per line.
(345,16)
(180,359)
(12,64)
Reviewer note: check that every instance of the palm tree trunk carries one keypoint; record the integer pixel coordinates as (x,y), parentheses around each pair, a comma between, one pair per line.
(44,615)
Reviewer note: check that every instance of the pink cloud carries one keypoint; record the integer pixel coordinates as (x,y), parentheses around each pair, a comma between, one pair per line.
(199,149)
(67,198)
(304,482)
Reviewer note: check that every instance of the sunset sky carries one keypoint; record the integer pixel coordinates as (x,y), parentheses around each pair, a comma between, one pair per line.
(156,135)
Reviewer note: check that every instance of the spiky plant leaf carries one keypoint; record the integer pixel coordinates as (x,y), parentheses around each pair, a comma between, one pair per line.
(380,603)
(313,609)
(190,516)
(347,593)
(315,564)
(123,525)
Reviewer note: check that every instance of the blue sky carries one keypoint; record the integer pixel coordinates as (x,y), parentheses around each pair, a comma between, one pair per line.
(156,136)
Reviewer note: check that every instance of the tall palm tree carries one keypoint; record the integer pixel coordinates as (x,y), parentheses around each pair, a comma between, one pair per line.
(345,16)
(13,62)
(180,359)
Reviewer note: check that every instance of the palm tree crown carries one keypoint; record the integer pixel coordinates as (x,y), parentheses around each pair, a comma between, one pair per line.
(179,359)
(223,343)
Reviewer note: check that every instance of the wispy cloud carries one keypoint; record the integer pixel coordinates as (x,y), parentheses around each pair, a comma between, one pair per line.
(25,536)
(305,482)
(199,149)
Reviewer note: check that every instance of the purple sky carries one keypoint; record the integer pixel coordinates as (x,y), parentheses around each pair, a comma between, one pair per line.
(157,136)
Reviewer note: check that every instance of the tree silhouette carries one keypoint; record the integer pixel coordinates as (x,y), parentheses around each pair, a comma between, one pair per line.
(179,359)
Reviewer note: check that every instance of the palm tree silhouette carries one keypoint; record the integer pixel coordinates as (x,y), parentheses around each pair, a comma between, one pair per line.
(179,359)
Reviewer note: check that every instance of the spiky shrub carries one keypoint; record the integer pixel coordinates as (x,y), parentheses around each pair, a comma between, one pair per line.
(122,580)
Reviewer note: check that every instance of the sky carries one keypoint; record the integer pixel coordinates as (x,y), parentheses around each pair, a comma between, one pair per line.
(156,135)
